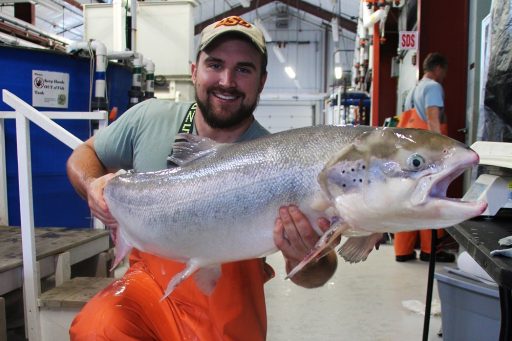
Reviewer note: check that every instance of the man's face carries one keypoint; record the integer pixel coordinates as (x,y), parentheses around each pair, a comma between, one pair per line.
(440,73)
(228,80)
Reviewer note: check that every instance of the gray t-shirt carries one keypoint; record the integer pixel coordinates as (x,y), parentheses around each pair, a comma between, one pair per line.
(141,139)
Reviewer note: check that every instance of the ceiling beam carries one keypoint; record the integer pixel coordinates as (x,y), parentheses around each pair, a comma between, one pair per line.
(32,37)
(299,5)
(74,3)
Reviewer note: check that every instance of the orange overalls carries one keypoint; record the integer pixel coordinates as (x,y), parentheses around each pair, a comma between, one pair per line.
(405,241)
(130,308)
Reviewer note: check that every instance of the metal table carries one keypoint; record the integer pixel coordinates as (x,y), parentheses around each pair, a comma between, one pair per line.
(479,237)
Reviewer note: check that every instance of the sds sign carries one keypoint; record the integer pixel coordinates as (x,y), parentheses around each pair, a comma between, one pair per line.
(408,40)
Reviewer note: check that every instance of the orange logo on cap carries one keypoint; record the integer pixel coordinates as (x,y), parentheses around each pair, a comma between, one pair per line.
(233,21)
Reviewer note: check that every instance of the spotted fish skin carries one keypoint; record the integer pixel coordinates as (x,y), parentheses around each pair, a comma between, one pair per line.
(221,203)
(350,174)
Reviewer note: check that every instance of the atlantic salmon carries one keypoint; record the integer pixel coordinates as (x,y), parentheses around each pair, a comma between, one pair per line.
(220,203)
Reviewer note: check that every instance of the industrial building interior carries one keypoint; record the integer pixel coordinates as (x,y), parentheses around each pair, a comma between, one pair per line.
(83,63)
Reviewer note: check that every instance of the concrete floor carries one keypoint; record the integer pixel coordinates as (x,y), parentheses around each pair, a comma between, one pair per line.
(361,302)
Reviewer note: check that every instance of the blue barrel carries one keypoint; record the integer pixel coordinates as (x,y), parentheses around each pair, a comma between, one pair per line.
(55,201)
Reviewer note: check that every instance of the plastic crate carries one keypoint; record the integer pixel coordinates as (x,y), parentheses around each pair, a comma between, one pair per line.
(470,309)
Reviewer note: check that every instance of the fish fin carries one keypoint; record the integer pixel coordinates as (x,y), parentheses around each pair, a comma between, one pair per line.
(122,248)
(191,267)
(321,247)
(357,249)
(349,233)
(206,278)
(189,147)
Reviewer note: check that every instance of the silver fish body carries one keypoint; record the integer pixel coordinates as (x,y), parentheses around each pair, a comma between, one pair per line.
(221,203)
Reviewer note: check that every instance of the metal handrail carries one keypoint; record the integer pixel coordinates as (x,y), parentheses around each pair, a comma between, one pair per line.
(23,114)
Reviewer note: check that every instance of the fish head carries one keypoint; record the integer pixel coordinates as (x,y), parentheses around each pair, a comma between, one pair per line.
(392,179)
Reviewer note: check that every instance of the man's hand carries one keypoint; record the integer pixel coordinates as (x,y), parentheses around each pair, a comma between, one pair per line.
(89,177)
(98,205)
(295,237)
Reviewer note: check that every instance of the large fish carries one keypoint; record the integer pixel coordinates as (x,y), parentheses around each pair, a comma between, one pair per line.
(220,204)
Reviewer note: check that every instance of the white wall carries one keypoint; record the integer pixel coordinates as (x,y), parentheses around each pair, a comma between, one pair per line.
(277,116)
(408,77)
(308,48)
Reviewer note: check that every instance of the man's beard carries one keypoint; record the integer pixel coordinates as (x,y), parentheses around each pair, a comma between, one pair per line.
(215,121)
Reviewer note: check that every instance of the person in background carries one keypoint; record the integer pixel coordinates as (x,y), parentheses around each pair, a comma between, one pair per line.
(228,76)
(425,106)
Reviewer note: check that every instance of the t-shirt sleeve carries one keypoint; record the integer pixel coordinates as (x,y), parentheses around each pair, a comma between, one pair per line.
(114,143)
(434,96)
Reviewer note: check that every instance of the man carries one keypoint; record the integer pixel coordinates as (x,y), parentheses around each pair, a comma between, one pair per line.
(427,97)
(427,100)
(229,74)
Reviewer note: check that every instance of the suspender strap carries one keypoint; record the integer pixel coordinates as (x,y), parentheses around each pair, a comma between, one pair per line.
(187,127)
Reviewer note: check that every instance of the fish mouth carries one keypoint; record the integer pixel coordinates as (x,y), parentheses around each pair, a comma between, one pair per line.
(431,203)
(457,206)
(440,182)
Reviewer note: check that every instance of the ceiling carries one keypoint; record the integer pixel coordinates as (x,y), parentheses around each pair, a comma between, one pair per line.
(63,18)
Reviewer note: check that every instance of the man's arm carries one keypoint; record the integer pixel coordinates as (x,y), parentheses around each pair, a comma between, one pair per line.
(433,119)
(88,176)
(295,237)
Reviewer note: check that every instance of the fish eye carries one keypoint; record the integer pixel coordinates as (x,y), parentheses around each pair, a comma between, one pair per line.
(415,162)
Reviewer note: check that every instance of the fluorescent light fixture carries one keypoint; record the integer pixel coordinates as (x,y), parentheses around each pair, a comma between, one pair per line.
(260,25)
(335,30)
(278,54)
(245,3)
(290,72)
(338,72)
(297,84)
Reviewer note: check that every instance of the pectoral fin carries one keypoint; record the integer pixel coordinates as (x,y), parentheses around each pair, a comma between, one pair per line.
(320,248)
(357,249)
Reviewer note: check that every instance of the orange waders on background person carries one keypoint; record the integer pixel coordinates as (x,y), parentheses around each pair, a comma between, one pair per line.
(132,308)
(405,242)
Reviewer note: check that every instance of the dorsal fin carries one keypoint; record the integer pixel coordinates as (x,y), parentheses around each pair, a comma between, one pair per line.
(189,147)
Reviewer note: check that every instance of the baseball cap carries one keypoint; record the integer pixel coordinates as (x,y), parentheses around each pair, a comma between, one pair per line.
(233,24)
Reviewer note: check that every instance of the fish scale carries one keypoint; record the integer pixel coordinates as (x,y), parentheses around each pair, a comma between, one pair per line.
(221,203)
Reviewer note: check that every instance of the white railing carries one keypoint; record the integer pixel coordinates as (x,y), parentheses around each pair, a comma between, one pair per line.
(23,114)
